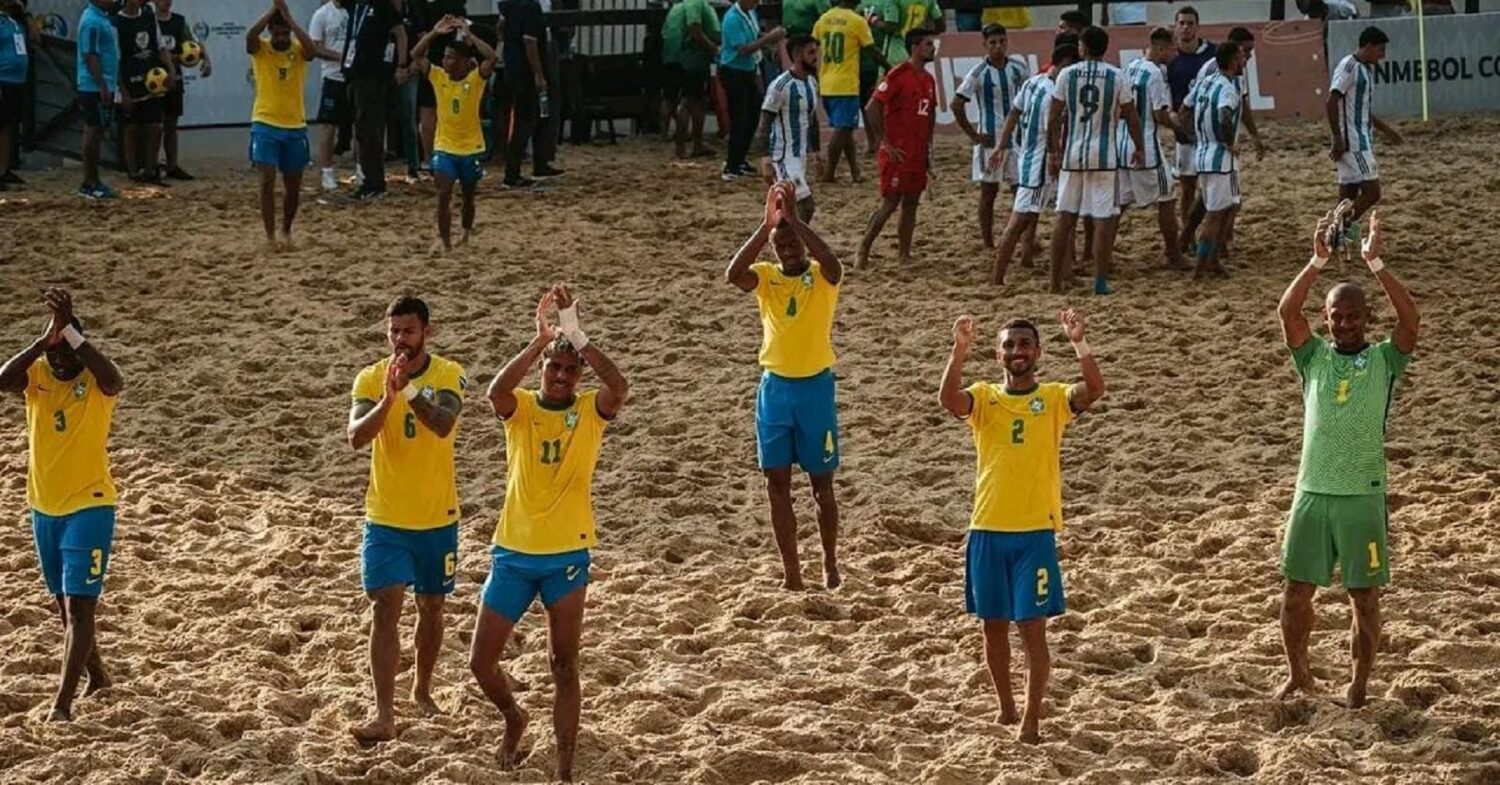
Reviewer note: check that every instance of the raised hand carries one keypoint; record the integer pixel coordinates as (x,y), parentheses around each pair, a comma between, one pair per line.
(997,159)
(1370,246)
(1073,323)
(397,374)
(786,195)
(773,207)
(1320,236)
(963,332)
(60,303)
(544,331)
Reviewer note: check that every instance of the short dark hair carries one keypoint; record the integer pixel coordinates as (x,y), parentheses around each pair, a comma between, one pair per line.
(1075,19)
(1373,35)
(561,345)
(1161,34)
(914,37)
(406,305)
(1189,10)
(1023,324)
(461,49)
(1065,39)
(1226,54)
(1240,35)
(1066,53)
(993,28)
(1095,41)
(796,42)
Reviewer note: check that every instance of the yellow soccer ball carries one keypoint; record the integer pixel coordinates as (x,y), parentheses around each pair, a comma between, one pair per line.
(156,81)
(189,54)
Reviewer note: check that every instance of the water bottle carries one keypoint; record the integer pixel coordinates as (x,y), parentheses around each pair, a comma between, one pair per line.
(544,105)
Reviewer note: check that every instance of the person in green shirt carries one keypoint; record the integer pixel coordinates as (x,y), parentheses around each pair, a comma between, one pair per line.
(1339,516)
(690,41)
(899,17)
(799,16)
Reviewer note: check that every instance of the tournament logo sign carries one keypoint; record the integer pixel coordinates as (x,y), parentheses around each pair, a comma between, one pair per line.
(200,30)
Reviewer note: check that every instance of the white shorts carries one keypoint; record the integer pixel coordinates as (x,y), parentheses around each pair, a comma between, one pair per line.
(1089,194)
(1145,187)
(1219,190)
(1186,166)
(981,158)
(794,171)
(1032,200)
(1356,168)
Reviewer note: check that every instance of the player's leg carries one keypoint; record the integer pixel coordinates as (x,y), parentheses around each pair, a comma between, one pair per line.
(888,204)
(1193,219)
(1166,220)
(1369,196)
(1083,264)
(1104,197)
(466,218)
(564,633)
(815,412)
(1188,196)
(776,451)
(828,526)
(78,644)
(1208,239)
(427,116)
(835,152)
(1020,224)
(436,556)
(1364,641)
(387,566)
(1062,243)
(1036,593)
(987,193)
(1358,525)
(987,595)
(428,638)
(77,550)
(805,209)
(296,153)
(508,591)
(906,226)
(268,200)
(997,661)
(442,174)
(1307,558)
(1038,670)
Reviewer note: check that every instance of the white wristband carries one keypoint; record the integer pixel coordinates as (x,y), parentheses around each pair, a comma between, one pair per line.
(1318,261)
(74,338)
(410,391)
(567,318)
(1376,265)
(1082,348)
(576,337)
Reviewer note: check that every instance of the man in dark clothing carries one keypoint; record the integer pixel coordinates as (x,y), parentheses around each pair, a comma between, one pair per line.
(375,59)
(140,51)
(525,28)
(1192,53)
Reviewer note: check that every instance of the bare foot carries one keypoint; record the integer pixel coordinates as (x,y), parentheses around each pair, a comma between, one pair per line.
(272,245)
(856,178)
(97,681)
(1008,716)
(375,731)
(59,714)
(287,243)
(425,704)
(862,259)
(1294,685)
(831,577)
(463,239)
(1178,262)
(1355,697)
(510,748)
(905,260)
(1029,734)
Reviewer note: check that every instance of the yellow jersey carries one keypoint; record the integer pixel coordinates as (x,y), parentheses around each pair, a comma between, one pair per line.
(412,483)
(1018,457)
(550,456)
(1012,17)
(279,77)
(458,128)
(841,35)
(67,425)
(796,317)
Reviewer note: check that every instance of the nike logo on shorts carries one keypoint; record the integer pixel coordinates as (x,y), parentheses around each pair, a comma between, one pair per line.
(571,572)
(91,581)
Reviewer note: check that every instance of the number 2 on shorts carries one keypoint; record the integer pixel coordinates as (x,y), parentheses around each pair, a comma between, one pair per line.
(1041,584)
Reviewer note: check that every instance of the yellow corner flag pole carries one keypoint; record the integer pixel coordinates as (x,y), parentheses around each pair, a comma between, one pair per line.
(1422,55)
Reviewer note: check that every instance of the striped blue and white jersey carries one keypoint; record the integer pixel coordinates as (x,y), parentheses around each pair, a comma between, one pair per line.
(1033,101)
(1211,68)
(1092,93)
(1355,81)
(1148,89)
(992,90)
(1210,96)
(794,102)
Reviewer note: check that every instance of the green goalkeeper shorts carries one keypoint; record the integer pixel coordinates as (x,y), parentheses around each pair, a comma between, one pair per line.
(1349,531)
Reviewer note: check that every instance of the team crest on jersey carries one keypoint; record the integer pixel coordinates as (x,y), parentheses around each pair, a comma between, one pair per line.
(1037,406)
(142,40)
(428,392)
(80,389)
(571,420)
(807,279)
(1360,361)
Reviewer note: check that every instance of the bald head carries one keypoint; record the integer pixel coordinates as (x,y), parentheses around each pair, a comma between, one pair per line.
(1347,294)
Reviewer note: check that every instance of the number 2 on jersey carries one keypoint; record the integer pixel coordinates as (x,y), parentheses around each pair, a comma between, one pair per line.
(552,451)
(1018,431)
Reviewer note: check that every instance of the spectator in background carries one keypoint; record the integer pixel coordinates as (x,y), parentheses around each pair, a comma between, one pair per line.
(899,17)
(739,55)
(799,16)
(98,77)
(1328,10)
(1387,8)
(1010,17)
(373,64)
(1127,13)
(525,27)
(1192,53)
(1072,23)
(330,29)
(690,39)
(15,60)
(174,31)
(141,110)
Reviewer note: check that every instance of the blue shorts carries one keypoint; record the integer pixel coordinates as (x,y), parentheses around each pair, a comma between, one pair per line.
(73,549)
(517,578)
(843,111)
(797,421)
(284,148)
(1013,575)
(465,169)
(425,560)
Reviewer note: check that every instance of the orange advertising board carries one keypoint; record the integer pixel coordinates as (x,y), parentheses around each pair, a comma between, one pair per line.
(1288,73)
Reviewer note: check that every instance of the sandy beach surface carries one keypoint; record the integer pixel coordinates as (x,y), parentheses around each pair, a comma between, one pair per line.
(235,625)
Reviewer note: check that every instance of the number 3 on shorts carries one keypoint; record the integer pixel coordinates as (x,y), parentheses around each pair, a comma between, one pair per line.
(1041,584)
(97,567)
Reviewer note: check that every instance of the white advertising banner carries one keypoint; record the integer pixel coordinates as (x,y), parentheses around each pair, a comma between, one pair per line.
(1462,68)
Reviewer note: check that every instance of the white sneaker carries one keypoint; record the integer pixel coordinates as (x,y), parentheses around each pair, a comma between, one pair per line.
(330,179)
(359,175)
